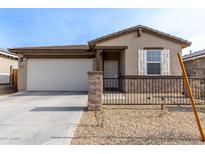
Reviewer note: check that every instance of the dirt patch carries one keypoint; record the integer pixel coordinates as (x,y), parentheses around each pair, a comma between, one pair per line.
(140,125)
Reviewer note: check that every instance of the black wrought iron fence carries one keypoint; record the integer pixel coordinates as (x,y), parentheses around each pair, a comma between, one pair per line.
(149,90)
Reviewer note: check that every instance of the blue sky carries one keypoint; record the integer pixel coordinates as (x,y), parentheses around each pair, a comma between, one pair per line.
(37,27)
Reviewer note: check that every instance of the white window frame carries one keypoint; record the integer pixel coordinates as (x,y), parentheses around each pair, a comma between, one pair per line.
(158,62)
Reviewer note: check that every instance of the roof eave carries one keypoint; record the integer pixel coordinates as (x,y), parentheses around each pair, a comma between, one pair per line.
(9,55)
(184,43)
(194,57)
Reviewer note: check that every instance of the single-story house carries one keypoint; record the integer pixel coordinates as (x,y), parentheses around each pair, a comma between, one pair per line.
(195,63)
(7,62)
(138,50)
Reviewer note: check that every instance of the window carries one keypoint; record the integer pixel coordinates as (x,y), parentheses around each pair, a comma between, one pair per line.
(153,62)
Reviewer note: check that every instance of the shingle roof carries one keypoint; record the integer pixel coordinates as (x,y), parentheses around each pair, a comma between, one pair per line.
(6,53)
(131,29)
(71,47)
(194,54)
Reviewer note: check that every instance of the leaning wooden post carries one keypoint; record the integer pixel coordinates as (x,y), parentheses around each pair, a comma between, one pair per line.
(191,97)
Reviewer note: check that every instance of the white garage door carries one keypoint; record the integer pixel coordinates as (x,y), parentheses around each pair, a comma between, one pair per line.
(58,74)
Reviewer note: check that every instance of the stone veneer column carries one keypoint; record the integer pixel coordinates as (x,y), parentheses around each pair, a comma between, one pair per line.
(95,90)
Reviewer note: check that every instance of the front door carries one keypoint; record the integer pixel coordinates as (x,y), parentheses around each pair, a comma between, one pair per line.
(111,74)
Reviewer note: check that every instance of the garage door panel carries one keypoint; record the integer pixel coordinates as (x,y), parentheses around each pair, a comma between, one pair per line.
(58,74)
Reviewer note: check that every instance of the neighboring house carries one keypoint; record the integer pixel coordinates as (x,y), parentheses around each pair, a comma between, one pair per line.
(7,61)
(195,64)
(138,50)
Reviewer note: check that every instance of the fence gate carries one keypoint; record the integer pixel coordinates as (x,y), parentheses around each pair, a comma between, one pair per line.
(152,90)
(15,77)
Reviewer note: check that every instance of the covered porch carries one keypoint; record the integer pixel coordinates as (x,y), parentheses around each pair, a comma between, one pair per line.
(111,61)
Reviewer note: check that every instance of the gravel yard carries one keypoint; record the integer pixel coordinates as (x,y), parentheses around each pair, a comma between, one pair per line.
(141,124)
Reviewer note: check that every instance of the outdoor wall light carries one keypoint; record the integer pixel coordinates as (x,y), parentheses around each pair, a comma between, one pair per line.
(21,59)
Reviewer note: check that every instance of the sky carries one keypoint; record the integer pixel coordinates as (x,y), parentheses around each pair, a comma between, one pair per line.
(41,27)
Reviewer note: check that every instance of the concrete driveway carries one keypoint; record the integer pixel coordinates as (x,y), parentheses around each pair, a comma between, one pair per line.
(40,117)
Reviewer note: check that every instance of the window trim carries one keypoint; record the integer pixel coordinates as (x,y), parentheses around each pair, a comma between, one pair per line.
(154,48)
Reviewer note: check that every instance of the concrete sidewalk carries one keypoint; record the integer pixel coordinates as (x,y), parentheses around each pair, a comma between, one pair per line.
(40,117)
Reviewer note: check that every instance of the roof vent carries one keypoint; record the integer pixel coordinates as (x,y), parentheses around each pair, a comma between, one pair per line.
(139,32)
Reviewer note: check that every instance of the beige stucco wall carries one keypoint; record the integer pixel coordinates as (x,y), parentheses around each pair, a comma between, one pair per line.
(195,67)
(22,74)
(5,63)
(145,41)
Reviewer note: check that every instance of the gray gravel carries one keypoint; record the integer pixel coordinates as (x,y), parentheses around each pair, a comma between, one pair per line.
(140,125)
